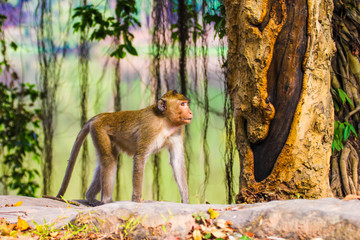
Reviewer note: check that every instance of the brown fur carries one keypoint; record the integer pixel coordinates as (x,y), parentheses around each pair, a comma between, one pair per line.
(139,134)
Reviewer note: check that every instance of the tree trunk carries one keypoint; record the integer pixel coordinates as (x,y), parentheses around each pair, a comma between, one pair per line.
(279,85)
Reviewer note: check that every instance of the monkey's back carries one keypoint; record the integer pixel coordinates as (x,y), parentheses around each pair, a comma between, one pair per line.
(127,129)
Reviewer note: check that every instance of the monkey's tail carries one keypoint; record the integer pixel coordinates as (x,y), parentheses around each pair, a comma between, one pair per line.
(72,160)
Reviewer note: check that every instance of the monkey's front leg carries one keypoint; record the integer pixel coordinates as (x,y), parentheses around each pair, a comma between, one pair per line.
(138,175)
(177,161)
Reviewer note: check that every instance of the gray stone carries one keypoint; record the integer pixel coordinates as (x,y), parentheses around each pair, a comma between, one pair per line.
(291,219)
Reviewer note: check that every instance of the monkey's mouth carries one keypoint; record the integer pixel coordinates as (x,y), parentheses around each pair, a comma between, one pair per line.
(187,120)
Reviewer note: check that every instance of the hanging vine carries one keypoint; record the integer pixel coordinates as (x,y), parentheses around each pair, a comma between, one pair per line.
(204,53)
(50,62)
(216,16)
(158,47)
(194,14)
(183,35)
(84,88)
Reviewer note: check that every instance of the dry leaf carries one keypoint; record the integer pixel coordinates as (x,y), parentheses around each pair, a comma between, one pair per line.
(197,235)
(22,225)
(249,234)
(218,234)
(213,214)
(6,228)
(210,229)
(18,204)
(351,197)
(221,223)
(54,234)
(228,229)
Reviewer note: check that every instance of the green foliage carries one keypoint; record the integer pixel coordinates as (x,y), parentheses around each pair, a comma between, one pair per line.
(342,132)
(43,231)
(218,17)
(117,27)
(344,97)
(18,137)
(340,98)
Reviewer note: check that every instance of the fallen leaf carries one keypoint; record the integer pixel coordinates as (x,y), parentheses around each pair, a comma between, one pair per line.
(197,235)
(228,229)
(22,225)
(218,234)
(6,228)
(351,197)
(208,229)
(18,204)
(221,223)
(249,234)
(54,234)
(213,214)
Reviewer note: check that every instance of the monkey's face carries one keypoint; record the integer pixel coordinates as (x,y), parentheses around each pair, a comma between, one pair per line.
(176,107)
(178,111)
(185,113)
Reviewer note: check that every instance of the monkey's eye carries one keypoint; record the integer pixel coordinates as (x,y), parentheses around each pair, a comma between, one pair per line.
(183,104)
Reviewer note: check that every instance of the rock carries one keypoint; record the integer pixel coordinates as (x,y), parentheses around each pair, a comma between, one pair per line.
(38,210)
(295,219)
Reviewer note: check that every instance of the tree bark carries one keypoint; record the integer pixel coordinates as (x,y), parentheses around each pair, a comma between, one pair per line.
(279,85)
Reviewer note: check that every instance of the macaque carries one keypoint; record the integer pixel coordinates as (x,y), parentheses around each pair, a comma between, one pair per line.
(139,134)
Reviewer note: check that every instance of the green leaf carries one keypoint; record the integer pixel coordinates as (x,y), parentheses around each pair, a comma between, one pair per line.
(13,45)
(207,236)
(76,26)
(346,132)
(119,52)
(352,129)
(344,97)
(129,47)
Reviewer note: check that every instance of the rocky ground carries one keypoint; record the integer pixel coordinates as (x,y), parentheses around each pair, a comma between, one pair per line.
(292,219)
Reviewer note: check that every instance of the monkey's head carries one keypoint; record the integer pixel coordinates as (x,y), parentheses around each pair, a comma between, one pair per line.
(175,107)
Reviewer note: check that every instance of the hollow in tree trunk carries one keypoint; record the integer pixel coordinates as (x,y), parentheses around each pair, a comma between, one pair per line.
(279,85)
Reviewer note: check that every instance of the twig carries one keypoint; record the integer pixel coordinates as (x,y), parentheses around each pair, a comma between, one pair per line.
(61,200)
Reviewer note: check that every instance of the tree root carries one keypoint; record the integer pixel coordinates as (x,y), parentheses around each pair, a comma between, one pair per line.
(348,165)
(343,168)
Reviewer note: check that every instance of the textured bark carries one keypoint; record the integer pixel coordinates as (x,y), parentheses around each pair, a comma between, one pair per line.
(279,84)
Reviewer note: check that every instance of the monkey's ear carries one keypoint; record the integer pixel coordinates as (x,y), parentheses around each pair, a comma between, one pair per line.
(161,104)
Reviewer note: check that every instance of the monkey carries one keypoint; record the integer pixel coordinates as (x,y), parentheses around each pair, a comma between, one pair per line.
(138,133)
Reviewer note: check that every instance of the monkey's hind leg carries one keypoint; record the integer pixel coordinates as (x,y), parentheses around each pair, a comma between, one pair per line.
(94,189)
(105,174)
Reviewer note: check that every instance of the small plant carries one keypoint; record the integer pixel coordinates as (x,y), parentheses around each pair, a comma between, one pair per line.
(19,124)
(217,15)
(130,224)
(166,219)
(199,216)
(119,26)
(43,231)
(342,131)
